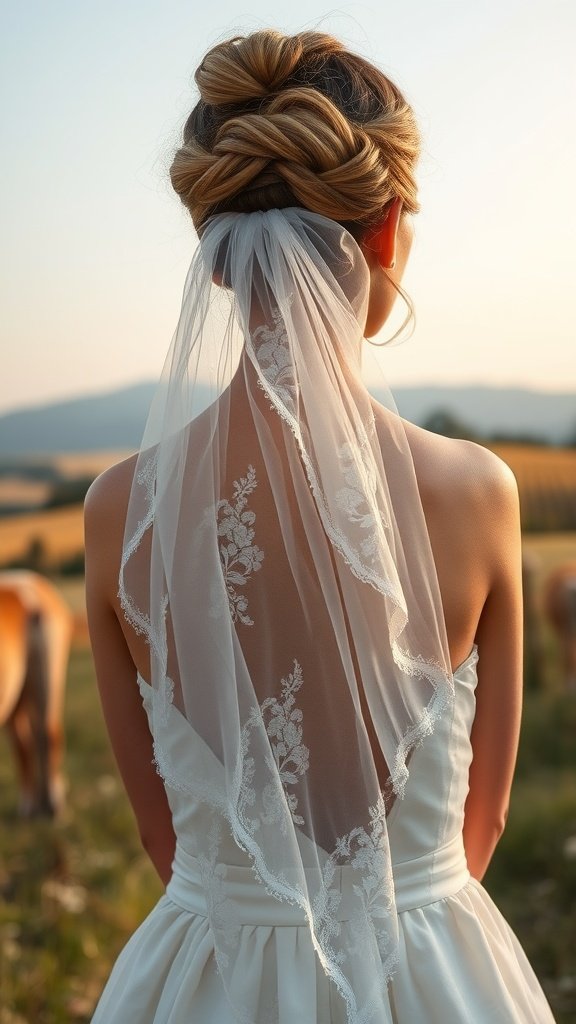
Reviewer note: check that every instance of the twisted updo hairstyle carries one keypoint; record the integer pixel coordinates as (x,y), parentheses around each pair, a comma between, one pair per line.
(296,121)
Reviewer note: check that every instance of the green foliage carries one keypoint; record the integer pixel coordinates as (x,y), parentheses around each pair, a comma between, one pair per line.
(35,558)
(519,437)
(25,470)
(71,892)
(72,566)
(442,421)
(69,492)
(547,740)
(570,441)
(532,877)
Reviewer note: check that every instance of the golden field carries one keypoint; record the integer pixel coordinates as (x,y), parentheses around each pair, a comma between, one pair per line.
(60,530)
(533,464)
(546,479)
(547,484)
(72,464)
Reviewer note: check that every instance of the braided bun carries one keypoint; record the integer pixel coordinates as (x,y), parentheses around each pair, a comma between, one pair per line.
(248,68)
(295,121)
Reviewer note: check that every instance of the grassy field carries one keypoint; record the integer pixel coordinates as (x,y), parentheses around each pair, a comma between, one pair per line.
(72,892)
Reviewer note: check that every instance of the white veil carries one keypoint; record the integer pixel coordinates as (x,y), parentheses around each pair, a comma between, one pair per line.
(276,557)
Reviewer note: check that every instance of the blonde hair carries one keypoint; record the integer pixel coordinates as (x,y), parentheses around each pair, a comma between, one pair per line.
(296,121)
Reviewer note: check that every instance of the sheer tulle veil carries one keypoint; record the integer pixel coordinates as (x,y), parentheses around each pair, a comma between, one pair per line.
(277,559)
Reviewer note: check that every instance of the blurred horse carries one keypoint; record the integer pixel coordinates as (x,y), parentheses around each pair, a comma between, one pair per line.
(35,634)
(559,603)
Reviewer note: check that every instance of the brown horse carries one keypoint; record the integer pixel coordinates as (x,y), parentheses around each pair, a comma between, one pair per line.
(35,634)
(560,609)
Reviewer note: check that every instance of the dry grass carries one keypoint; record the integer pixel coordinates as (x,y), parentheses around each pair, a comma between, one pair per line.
(19,486)
(533,464)
(16,491)
(61,531)
(72,464)
(546,482)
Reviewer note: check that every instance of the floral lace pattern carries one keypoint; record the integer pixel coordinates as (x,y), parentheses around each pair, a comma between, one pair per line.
(285,733)
(239,556)
(277,379)
(352,500)
(275,360)
(364,851)
(290,756)
(138,619)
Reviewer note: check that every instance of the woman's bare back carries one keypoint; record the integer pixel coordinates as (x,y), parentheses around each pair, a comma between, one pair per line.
(450,472)
(470,501)
(454,479)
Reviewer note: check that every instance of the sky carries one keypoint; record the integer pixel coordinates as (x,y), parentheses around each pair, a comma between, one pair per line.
(95,246)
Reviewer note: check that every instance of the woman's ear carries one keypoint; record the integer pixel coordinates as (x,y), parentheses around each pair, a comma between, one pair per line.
(380,242)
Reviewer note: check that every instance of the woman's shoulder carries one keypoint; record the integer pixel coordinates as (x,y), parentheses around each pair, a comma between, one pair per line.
(471,501)
(106,500)
(448,466)
(105,507)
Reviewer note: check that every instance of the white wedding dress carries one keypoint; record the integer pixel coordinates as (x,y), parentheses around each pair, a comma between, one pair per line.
(276,555)
(460,962)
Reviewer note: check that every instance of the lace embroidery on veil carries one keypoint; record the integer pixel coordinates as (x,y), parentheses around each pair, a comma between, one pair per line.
(239,556)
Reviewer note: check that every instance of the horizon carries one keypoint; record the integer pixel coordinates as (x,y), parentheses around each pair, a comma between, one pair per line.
(103,392)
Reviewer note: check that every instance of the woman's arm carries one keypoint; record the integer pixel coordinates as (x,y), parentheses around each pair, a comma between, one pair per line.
(499,636)
(124,713)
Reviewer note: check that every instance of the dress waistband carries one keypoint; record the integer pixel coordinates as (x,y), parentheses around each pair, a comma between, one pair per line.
(434,876)
(418,882)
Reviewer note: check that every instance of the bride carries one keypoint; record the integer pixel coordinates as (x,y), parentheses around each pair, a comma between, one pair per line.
(305,611)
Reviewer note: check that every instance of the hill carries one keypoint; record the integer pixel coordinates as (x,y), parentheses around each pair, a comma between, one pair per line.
(492,410)
(115,419)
